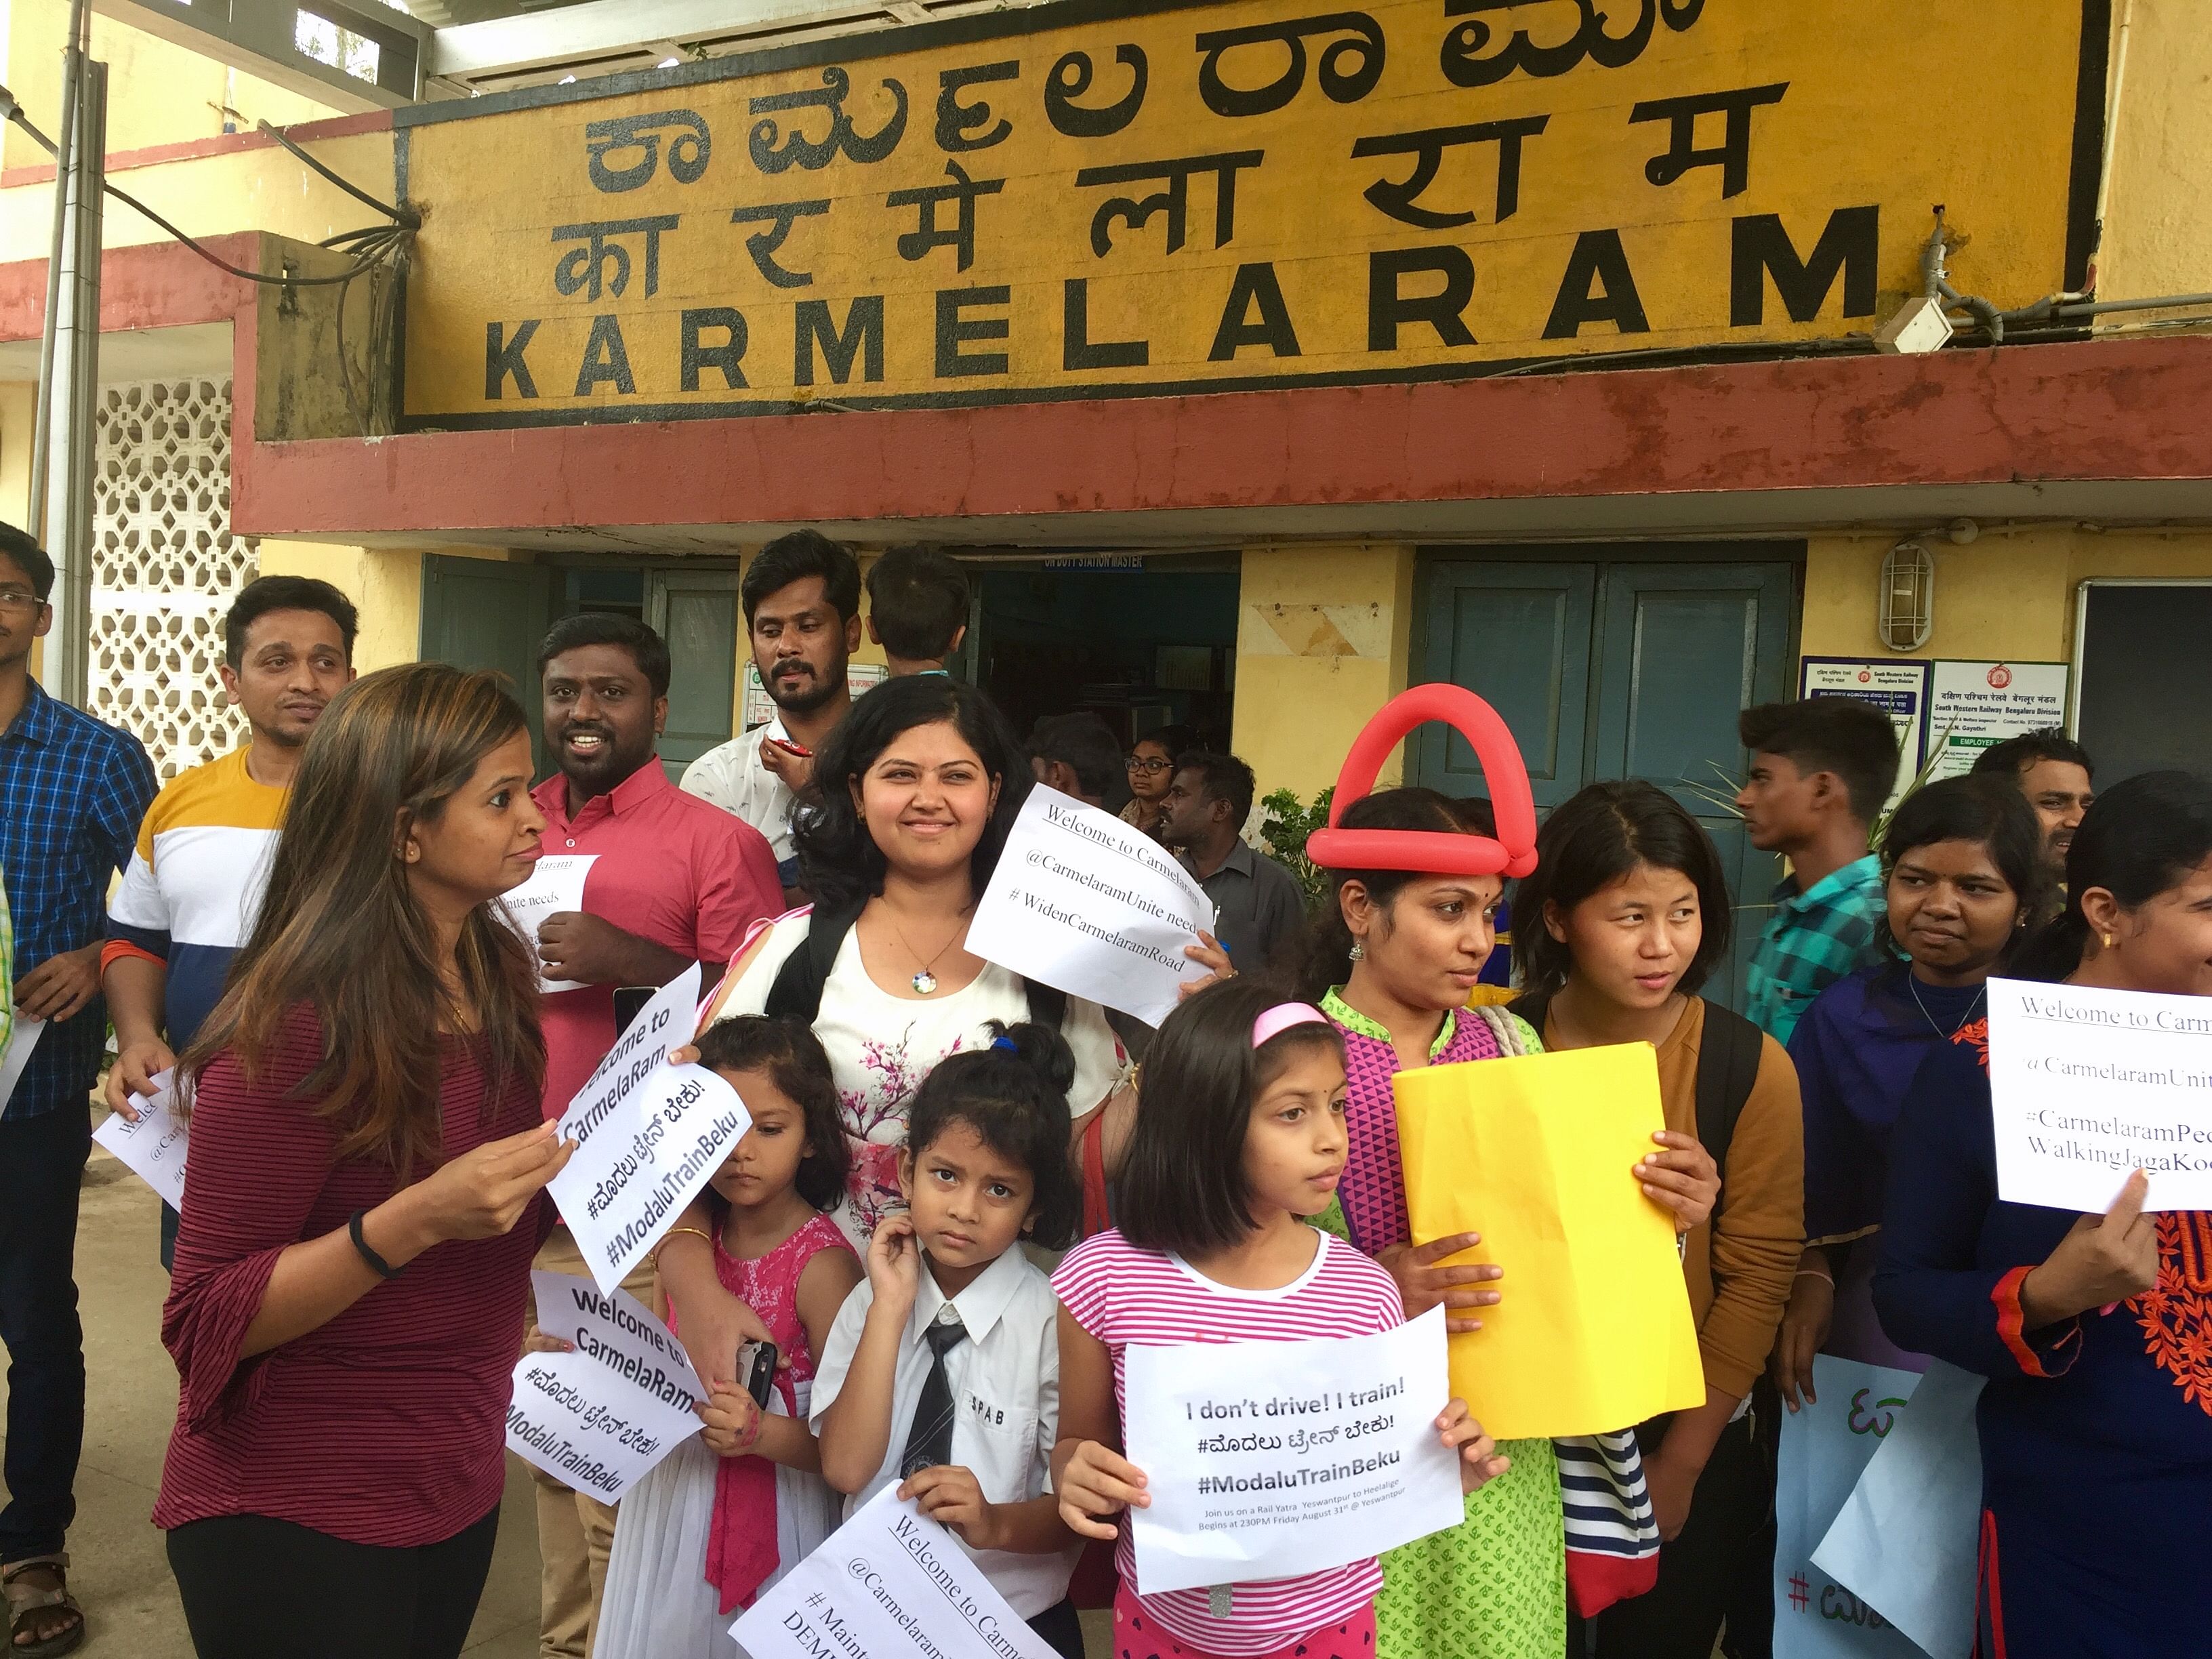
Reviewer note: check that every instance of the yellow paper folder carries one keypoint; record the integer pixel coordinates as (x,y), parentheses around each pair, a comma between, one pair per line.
(1594,1332)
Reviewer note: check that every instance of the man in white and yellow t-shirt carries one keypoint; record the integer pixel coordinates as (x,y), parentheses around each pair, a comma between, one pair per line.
(193,888)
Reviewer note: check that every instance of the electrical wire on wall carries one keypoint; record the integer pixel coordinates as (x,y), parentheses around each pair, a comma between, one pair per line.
(379,252)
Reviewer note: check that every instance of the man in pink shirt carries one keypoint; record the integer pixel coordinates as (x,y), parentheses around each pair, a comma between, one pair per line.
(674,881)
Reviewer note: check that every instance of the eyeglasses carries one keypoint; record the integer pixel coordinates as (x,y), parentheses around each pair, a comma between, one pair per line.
(1151,768)
(19,598)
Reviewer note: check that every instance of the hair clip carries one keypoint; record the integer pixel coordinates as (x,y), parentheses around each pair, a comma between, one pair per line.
(1284,1016)
(1008,1043)
(1511,853)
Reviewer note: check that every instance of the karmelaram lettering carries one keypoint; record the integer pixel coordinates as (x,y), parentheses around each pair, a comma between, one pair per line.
(1037,858)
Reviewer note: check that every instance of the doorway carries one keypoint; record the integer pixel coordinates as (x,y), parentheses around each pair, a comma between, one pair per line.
(489,614)
(1619,662)
(1143,641)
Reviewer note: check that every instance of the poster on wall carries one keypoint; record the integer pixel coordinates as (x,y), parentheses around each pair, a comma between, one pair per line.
(1897,687)
(1976,705)
(760,709)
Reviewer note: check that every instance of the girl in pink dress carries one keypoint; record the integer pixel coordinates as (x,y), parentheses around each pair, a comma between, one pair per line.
(727,1514)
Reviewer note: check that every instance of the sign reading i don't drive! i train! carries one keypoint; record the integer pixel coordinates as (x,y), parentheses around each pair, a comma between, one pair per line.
(1085,199)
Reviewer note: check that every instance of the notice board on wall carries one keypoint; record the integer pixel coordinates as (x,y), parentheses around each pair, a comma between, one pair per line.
(2139,665)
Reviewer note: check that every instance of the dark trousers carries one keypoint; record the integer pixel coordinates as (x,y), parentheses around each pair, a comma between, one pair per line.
(258,1588)
(1060,1627)
(170,1220)
(1679,1616)
(41,1168)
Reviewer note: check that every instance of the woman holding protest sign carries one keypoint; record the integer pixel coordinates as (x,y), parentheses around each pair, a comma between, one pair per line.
(1626,914)
(1963,878)
(920,785)
(362,1196)
(2094,1331)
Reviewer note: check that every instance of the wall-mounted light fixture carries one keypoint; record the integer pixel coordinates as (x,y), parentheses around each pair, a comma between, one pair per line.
(1907,608)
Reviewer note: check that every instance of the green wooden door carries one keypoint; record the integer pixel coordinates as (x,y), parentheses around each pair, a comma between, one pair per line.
(486,614)
(1618,668)
(697,613)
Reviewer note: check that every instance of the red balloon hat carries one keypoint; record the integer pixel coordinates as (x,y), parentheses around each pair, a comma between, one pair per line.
(1431,851)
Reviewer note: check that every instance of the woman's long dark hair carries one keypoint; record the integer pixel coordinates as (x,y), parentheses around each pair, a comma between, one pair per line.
(839,860)
(1592,840)
(2139,839)
(339,927)
(1330,961)
(1977,808)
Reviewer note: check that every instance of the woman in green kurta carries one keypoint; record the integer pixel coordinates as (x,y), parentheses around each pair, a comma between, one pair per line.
(1398,955)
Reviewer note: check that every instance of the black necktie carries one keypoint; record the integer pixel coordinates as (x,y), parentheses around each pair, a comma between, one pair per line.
(929,1442)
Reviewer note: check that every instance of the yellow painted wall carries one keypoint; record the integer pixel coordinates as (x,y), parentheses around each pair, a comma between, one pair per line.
(2157,237)
(1322,638)
(157,93)
(2005,597)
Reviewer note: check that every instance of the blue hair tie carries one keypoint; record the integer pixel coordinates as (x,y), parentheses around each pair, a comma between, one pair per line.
(1008,1043)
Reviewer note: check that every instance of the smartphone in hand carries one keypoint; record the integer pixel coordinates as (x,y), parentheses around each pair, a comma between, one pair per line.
(757,1372)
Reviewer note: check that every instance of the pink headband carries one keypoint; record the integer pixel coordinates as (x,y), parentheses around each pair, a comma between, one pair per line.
(1283,1016)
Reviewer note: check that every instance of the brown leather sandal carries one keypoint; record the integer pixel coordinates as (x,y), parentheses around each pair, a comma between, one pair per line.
(31,1606)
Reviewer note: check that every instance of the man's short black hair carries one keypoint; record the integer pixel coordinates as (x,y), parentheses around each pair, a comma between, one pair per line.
(794,558)
(918,601)
(267,594)
(2009,759)
(1853,739)
(1083,742)
(30,558)
(1221,777)
(646,649)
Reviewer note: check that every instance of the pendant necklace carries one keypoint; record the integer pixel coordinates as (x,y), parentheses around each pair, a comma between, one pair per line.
(1913,986)
(925,981)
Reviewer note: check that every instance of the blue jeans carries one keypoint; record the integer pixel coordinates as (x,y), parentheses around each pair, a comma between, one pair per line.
(41,1168)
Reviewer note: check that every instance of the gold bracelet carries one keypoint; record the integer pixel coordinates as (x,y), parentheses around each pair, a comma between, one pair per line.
(695,1231)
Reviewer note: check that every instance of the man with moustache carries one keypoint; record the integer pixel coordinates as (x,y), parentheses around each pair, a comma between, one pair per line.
(802,602)
(193,888)
(674,881)
(2055,773)
(72,790)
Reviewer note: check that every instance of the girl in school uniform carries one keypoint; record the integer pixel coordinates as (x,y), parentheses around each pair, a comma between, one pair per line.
(731,1511)
(942,1371)
(1239,1138)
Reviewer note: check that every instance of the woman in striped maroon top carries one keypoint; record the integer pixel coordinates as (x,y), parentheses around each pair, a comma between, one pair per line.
(363,1195)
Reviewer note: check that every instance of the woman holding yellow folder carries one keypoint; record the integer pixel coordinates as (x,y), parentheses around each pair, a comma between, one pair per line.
(1626,916)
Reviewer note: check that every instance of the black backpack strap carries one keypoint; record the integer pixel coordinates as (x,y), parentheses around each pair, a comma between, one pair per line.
(1727,1067)
(1534,1007)
(797,992)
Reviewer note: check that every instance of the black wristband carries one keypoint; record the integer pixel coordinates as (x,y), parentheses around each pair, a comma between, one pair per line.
(384,1269)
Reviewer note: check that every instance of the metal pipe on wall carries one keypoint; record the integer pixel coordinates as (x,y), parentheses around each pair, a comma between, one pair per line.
(69,395)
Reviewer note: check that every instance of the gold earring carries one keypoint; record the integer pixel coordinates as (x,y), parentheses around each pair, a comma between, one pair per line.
(2107,939)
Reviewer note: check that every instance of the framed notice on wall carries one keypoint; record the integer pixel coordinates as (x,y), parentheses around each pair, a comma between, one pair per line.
(2139,667)
(1897,686)
(1974,706)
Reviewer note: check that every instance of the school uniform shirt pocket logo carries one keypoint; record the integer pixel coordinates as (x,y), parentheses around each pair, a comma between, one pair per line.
(996,1417)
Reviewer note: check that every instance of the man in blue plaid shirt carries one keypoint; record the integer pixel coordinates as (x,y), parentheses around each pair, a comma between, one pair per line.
(72,791)
(1820,772)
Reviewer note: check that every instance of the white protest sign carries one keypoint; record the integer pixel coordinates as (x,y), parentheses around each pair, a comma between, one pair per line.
(890,1584)
(2087,1084)
(1825,1449)
(1093,907)
(1265,1460)
(599,1418)
(1909,1536)
(556,887)
(1977,705)
(648,1136)
(154,1147)
(21,1041)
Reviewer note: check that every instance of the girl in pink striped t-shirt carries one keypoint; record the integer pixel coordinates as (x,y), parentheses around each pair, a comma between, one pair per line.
(1239,1136)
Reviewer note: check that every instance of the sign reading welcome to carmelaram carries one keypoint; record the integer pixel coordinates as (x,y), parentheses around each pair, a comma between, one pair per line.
(1086,199)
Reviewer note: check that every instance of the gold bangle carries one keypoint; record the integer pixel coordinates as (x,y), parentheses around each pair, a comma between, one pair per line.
(695,1231)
